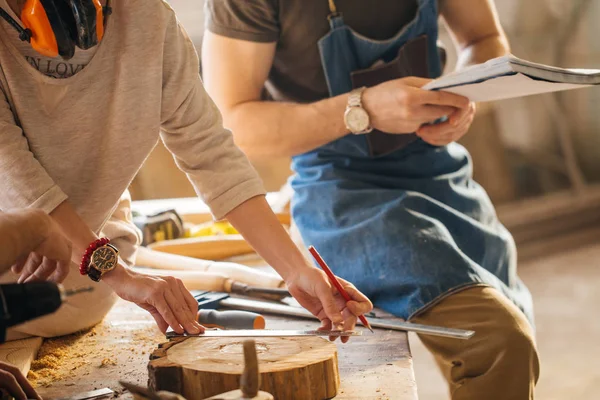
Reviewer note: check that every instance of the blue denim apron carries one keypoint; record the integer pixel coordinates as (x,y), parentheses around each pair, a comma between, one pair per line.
(410,227)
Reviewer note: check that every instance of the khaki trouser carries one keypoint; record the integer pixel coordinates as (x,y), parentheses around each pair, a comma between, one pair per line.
(499,362)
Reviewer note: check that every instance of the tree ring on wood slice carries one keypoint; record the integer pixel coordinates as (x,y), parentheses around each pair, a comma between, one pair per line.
(291,368)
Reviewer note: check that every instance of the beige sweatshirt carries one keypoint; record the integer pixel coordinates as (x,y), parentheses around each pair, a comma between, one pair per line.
(84,138)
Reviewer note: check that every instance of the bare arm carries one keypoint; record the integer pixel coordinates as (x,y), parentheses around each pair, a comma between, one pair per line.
(264,128)
(475,28)
(21,231)
(236,70)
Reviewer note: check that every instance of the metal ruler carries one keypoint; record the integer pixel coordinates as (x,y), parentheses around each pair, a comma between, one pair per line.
(219,333)
(281,309)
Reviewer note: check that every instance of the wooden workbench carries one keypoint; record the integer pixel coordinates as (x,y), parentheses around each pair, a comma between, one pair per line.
(375,366)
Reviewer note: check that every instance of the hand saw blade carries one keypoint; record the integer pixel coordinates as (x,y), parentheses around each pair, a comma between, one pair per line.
(212,333)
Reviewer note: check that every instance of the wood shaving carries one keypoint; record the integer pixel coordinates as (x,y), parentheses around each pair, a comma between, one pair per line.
(107,361)
(46,368)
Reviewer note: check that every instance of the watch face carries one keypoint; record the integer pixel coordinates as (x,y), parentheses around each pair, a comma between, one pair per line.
(357,119)
(104,258)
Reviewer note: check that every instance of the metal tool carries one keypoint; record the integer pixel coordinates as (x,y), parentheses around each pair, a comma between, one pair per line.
(26,301)
(210,318)
(265,307)
(94,394)
(140,390)
(263,333)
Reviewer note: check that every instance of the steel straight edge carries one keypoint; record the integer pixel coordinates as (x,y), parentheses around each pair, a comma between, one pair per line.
(281,309)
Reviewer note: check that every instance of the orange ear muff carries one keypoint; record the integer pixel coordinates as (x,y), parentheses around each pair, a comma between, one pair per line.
(34,18)
(99,19)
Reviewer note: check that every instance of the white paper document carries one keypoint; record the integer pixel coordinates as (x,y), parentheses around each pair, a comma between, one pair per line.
(508,77)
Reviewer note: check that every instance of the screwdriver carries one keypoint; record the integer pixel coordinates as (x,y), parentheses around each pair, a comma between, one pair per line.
(231,319)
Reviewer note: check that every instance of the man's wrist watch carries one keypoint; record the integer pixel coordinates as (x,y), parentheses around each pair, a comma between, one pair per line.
(100,258)
(356,118)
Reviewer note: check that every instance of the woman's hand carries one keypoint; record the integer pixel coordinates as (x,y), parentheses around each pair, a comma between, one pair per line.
(15,383)
(165,298)
(400,106)
(51,260)
(313,291)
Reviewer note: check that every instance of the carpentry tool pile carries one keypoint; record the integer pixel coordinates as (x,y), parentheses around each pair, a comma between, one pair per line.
(296,364)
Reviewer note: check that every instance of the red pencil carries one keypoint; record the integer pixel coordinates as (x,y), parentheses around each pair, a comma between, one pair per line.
(336,283)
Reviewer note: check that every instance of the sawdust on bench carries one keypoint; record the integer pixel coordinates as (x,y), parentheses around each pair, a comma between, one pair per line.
(48,366)
(79,354)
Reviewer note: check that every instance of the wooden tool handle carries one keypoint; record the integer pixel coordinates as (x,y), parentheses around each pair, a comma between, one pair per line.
(201,218)
(250,379)
(206,247)
(236,272)
(193,280)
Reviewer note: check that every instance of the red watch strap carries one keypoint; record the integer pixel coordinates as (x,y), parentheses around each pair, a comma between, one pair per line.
(84,266)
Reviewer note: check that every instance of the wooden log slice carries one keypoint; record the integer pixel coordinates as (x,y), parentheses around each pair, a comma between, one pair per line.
(302,368)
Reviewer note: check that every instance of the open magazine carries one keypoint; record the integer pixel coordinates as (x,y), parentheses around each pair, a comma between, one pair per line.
(508,77)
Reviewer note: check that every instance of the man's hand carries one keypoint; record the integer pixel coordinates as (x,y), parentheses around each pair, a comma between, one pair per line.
(454,128)
(13,382)
(165,298)
(314,292)
(51,260)
(400,106)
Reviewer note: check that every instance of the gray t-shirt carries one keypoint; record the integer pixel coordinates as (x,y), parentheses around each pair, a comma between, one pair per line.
(84,137)
(297,26)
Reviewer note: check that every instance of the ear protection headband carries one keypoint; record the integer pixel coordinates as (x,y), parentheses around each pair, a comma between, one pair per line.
(55,27)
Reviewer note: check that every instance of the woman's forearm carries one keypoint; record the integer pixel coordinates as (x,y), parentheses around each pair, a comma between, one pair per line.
(286,129)
(76,230)
(255,220)
(21,231)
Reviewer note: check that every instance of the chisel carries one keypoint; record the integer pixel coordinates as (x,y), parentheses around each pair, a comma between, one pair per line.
(94,394)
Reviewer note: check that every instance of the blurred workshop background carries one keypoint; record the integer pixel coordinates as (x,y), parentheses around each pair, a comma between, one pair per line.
(539,159)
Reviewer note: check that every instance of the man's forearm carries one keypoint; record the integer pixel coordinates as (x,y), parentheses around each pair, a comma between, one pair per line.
(483,50)
(286,129)
(21,232)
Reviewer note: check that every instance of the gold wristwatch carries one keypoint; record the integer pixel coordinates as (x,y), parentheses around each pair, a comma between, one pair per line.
(105,258)
(356,118)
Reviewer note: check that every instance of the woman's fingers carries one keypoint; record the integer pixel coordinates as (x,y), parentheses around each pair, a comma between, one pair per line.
(329,305)
(160,321)
(349,322)
(179,312)
(162,306)
(189,299)
(180,309)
